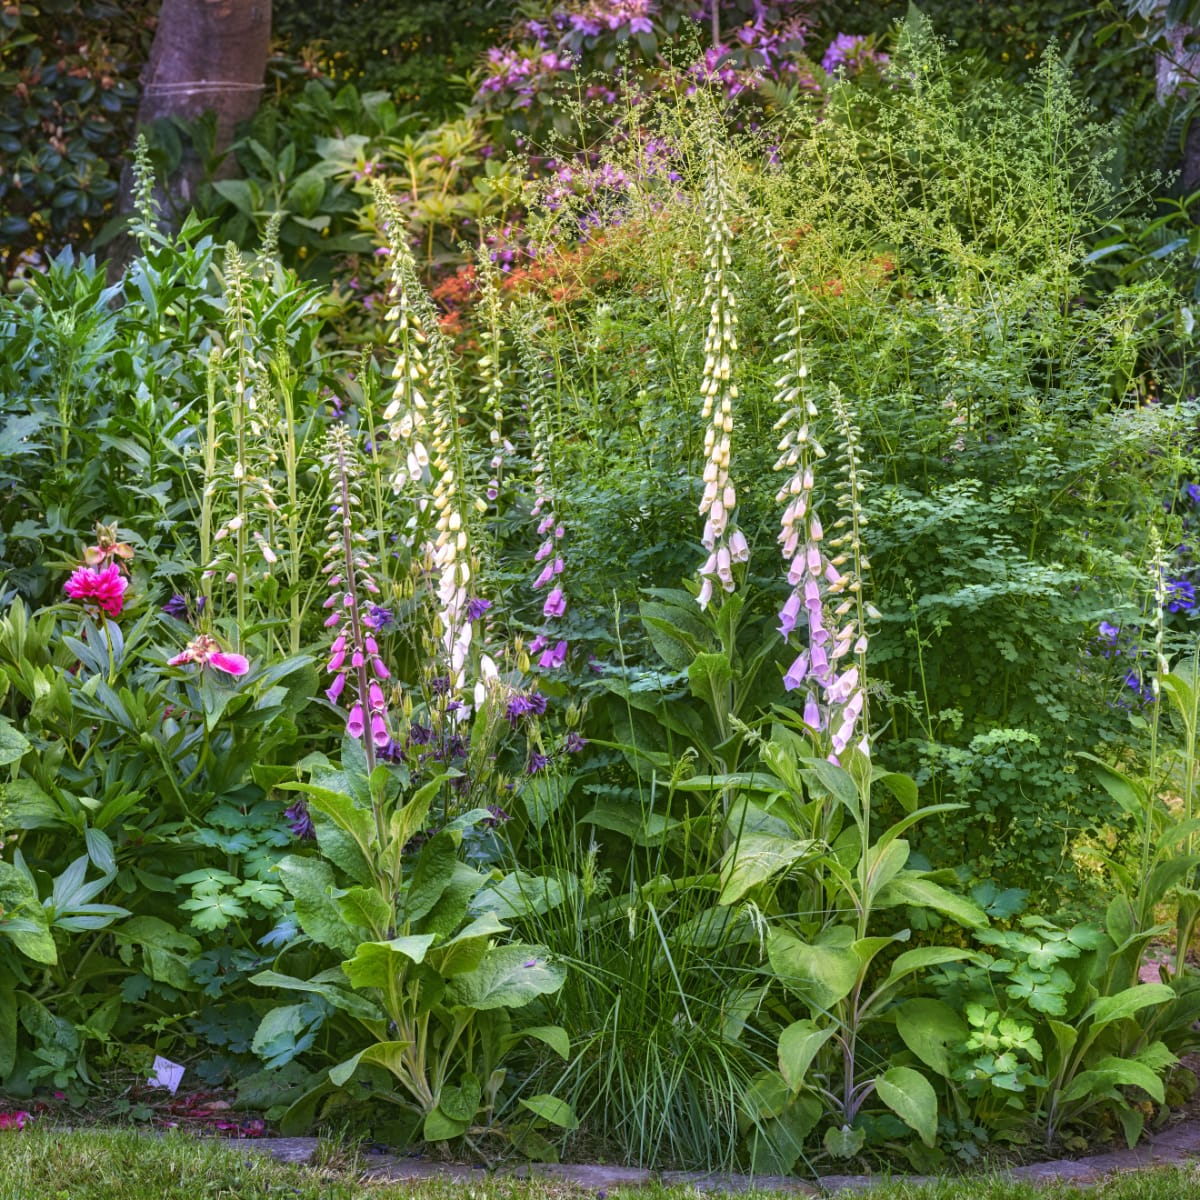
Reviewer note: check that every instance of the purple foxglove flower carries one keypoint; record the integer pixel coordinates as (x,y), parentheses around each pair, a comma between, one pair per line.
(375,693)
(544,550)
(354,724)
(839,691)
(788,614)
(539,644)
(812,559)
(556,604)
(545,577)
(820,665)
(812,712)
(706,593)
(379,733)
(739,550)
(334,690)
(552,659)
(381,671)
(812,596)
(797,673)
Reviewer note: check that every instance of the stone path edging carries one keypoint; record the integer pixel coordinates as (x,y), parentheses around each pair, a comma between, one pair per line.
(1175,1146)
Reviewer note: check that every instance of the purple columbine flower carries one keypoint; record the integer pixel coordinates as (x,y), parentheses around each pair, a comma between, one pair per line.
(300,822)
(379,618)
(498,817)
(476,608)
(574,743)
(537,762)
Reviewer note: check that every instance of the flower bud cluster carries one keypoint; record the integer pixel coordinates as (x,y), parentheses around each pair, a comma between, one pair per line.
(491,368)
(354,657)
(823,573)
(407,413)
(725,543)
(551,529)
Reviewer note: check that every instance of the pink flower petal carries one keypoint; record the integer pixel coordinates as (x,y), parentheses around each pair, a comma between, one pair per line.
(231,664)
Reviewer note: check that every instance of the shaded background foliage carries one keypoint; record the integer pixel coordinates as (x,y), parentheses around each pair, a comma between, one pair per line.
(69,80)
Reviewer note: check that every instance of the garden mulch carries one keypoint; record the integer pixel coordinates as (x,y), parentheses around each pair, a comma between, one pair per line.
(1178,1145)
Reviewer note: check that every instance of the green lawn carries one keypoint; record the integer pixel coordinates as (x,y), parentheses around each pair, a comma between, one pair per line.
(127,1165)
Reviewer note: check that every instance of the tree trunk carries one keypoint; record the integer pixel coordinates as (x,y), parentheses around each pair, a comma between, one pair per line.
(207,56)
(1179,71)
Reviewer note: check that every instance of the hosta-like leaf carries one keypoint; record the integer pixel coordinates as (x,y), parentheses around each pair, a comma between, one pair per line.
(507,977)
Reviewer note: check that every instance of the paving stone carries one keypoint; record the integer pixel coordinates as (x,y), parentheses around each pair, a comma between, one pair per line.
(1177,1145)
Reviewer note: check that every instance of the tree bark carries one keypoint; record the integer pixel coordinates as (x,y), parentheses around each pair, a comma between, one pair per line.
(207,56)
(1177,71)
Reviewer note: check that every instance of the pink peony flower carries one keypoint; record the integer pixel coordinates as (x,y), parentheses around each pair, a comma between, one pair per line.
(205,651)
(105,587)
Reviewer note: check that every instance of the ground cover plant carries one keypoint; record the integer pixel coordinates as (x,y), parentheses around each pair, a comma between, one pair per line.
(716,685)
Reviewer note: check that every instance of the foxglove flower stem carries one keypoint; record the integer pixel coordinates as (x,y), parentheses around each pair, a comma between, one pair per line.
(725,543)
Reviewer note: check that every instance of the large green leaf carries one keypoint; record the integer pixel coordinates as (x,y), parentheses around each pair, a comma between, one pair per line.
(431,875)
(756,857)
(822,974)
(910,888)
(379,964)
(550,1108)
(507,977)
(798,1046)
(1107,1009)
(709,677)
(22,918)
(912,1098)
(464,952)
(13,744)
(310,883)
(930,1029)
(389,1055)
(1112,1071)
(322,985)
(166,951)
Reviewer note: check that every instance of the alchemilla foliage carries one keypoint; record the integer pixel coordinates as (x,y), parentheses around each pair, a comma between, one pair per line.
(712,677)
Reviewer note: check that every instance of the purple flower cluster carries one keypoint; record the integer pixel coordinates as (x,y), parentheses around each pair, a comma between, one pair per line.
(354,652)
(522,71)
(851,52)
